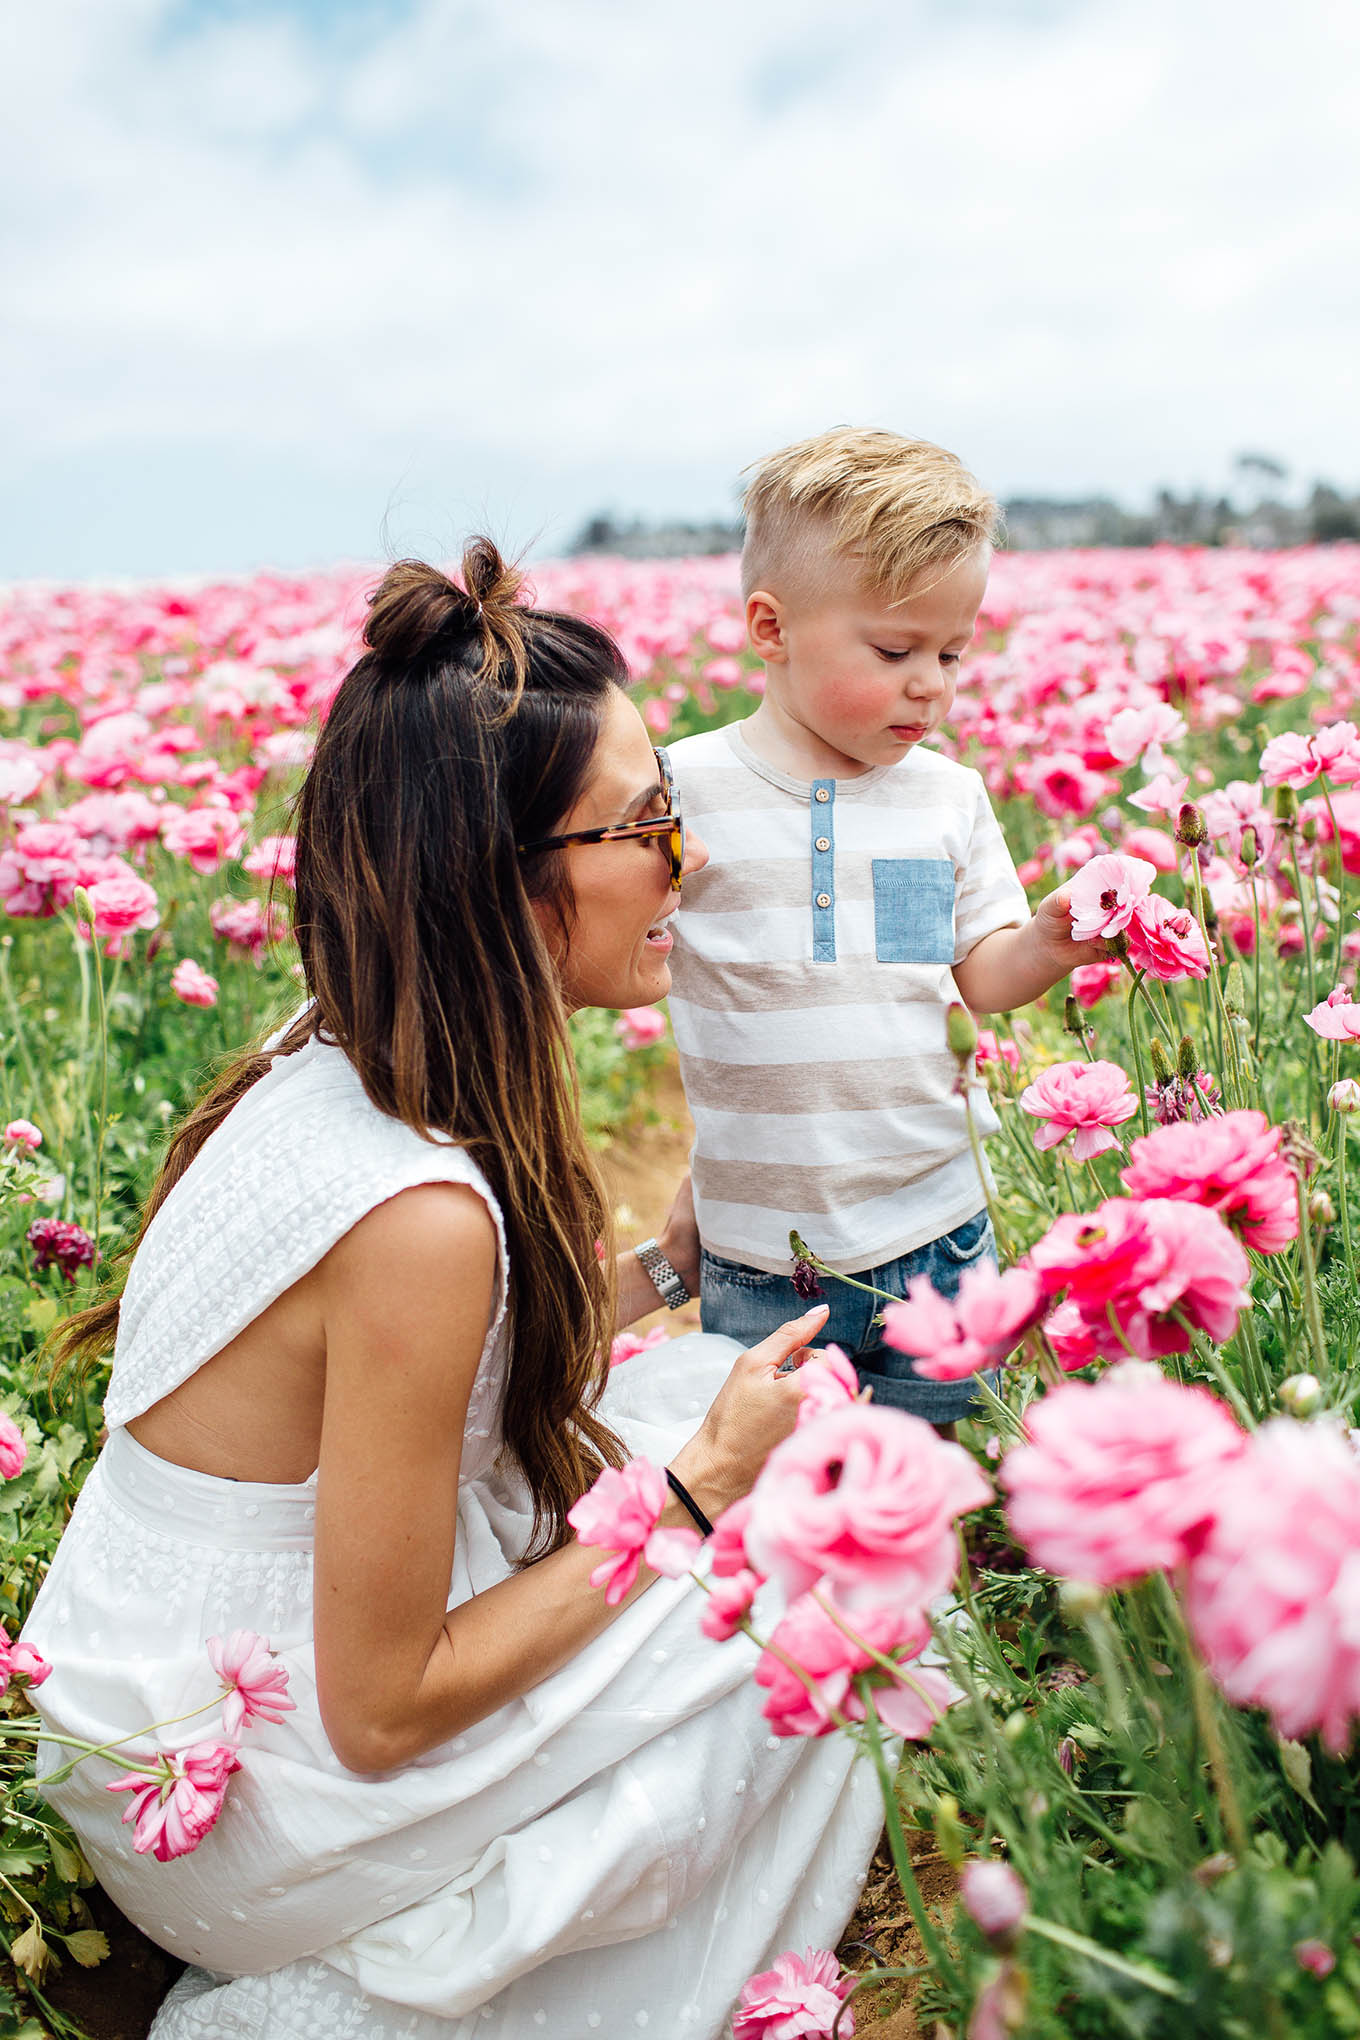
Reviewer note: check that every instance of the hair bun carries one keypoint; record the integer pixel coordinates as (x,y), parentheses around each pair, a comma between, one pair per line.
(491,582)
(416,607)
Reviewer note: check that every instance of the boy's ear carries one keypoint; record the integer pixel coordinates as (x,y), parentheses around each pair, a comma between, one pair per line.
(765,626)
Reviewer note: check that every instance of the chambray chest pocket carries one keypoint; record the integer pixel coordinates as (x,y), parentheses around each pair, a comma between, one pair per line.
(913,909)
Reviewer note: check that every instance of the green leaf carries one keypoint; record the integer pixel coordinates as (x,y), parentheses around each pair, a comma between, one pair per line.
(30,1952)
(41,1315)
(67,1860)
(89,1947)
(1297,1766)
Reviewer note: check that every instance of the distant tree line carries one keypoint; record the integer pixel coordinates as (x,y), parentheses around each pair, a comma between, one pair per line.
(1259,517)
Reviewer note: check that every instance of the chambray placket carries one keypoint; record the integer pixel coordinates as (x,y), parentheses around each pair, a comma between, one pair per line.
(822,809)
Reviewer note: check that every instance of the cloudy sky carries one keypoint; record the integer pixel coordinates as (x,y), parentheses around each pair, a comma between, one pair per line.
(289,281)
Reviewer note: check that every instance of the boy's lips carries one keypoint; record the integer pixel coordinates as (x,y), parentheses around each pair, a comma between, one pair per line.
(909,732)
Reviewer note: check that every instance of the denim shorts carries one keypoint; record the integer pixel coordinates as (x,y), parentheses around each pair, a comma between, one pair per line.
(748,1305)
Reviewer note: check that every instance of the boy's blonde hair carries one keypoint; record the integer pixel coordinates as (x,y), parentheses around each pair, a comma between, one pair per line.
(892,508)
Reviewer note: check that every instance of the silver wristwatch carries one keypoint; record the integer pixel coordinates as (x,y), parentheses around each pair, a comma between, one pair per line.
(667,1281)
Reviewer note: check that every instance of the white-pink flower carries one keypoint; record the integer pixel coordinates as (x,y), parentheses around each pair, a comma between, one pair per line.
(13,1450)
(1085,1099)
(1289,760)
(1274,1589)
(865,1498)
(1166,940)
(620,1513)
(1337,1018)
(177,1804)
(796,2000)
(256,1683)
(827,1381)
(1120,1477)
(191,983)
(122,904)
(1103,894)
(640,1026)
(994,1897)
(979,1329)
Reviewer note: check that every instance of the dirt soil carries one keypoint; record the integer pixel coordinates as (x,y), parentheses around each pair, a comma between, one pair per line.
(117,2001)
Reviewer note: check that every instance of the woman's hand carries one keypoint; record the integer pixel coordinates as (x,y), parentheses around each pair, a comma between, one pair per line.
(755,1409)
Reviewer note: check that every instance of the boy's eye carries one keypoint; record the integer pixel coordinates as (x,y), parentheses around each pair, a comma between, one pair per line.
(892,657)
(949,658)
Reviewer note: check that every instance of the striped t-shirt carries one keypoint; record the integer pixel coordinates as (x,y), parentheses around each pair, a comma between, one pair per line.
(811,974)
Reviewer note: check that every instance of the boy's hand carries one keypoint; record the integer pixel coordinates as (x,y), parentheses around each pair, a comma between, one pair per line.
(1014,965)
(679,1237)
(1052,926)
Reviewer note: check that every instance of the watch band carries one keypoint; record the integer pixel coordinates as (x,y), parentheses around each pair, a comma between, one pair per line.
(667,1281)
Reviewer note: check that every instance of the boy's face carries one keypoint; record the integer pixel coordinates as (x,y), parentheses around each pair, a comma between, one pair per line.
(855,680)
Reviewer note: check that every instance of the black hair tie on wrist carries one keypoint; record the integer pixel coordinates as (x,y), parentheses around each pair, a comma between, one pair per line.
(687,1502)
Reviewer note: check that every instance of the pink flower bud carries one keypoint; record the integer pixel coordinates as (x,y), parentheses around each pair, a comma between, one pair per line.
(994,1898)
(22,1133)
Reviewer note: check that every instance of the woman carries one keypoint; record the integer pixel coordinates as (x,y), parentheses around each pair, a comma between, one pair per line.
(356,1389)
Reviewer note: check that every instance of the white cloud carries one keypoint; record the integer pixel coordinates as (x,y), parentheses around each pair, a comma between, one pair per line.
(554,255)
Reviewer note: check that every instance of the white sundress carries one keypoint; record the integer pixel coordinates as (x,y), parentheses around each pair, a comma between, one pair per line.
(612,1853)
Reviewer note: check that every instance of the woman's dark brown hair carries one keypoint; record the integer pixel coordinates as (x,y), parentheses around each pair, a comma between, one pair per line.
(467,727)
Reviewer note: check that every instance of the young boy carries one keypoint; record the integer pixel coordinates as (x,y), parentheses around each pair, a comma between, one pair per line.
(857,883)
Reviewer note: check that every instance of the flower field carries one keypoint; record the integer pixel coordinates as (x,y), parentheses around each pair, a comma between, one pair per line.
(1131,1737)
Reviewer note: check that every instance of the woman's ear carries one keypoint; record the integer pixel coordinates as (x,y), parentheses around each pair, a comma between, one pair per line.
(765,627)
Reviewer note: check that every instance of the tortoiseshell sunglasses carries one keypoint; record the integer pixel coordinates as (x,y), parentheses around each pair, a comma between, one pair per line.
(670,825)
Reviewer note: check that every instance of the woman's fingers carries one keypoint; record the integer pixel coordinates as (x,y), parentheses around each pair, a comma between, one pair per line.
(778,1349)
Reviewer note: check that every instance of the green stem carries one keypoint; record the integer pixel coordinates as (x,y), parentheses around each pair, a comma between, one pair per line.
(1206,1720)
(1081,1944)
(1312,1310)
(1343,1197)
(931,1939)
(1134,990)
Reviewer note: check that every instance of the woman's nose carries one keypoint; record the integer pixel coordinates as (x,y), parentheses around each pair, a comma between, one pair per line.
(696,854)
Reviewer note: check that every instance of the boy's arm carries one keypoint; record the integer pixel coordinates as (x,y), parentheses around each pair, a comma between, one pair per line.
(1011,966)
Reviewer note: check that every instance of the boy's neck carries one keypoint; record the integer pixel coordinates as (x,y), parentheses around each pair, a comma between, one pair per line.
(780,740)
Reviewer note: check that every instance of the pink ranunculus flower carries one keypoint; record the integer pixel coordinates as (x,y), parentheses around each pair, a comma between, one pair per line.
(122,904)
(1289,760)
(1273,1593)
(1148,1264)
(1166,941)
(21,1661)
(991,1049)
(246,925)
(1102,896)
(1337,1018)
(627,1345)
(176,1806)
(827,1381)
(1119,1477)
(13,1451)
(191,983)
(620,1513)
(640,1026)
(274,857)
(1070,1337)
(1162,795)
(981,1328)
(1091,982)
(1337,749)
(1233,1165)
(865,1498)
(1081,1098)
(256,1683)
(727,1604)
(993,1897)
(831,1649)
(727,1546)
(796,2000)
(208,837)
(22,1133)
